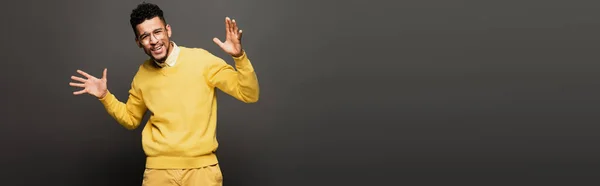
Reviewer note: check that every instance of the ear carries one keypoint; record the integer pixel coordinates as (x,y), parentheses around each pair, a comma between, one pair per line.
(168,30)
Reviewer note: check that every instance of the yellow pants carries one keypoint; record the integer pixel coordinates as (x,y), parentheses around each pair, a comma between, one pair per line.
(205,176)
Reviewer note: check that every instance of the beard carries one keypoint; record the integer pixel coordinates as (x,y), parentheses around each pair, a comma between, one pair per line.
(163,56)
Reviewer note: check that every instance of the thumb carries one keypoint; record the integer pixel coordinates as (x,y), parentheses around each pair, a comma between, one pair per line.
(104,74)
(218,42)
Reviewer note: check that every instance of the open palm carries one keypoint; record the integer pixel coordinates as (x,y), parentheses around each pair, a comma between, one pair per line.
(233,39)
(91,85)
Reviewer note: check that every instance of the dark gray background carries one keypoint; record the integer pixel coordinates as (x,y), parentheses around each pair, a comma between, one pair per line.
(352,92)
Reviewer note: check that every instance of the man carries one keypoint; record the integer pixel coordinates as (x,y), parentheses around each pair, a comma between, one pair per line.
(177,85)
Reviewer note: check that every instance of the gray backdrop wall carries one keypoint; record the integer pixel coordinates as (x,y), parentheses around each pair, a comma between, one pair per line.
(352,92)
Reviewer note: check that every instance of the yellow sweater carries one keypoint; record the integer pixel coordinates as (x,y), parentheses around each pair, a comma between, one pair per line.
(181,133)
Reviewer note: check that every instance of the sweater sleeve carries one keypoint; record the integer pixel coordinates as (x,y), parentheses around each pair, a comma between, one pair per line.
(128,114)
(242,83)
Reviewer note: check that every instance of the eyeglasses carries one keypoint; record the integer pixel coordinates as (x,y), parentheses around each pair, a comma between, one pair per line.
(157,34)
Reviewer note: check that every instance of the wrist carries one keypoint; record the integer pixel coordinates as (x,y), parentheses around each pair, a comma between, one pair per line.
(103,95)
(240,54)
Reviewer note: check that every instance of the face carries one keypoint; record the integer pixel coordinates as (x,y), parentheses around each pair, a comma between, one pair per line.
(154,38)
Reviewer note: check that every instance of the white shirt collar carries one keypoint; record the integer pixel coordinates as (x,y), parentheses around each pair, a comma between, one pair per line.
(172,58)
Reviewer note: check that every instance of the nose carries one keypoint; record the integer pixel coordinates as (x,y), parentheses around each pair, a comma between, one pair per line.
(153,39)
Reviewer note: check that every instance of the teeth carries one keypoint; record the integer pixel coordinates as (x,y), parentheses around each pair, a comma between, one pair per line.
(157,48)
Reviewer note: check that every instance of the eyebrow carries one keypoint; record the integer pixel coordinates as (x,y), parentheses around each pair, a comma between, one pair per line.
(146,33)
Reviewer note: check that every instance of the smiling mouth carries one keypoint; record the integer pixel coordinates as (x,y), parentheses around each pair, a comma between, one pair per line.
(157,48)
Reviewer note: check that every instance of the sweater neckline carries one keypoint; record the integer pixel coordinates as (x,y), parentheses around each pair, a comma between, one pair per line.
(168,70)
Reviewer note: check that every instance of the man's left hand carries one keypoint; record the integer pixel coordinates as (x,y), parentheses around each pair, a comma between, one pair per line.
(233,40)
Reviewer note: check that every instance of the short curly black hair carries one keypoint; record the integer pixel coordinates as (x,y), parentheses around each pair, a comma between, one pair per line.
(143,12)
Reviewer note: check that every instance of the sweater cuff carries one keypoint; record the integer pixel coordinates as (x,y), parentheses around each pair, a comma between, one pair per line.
(240,58)
(107,98)
(241,61)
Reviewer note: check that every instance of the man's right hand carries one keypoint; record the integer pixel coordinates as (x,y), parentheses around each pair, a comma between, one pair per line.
(91,85)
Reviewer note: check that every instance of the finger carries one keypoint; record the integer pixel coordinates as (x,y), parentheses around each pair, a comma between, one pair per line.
(77,84)
(227,25)
(79,92)
(240,35)
(218,42)
(232,25)
(235,27)
(84,74)
(104,74)
(78,79)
